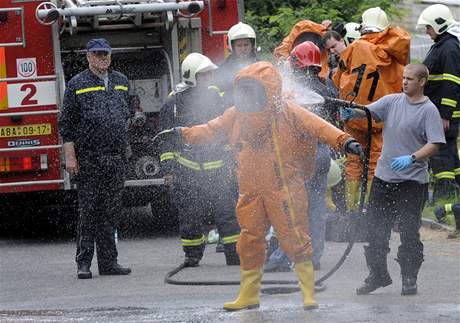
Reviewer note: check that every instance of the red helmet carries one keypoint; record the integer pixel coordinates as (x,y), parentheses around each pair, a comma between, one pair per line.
(305,54)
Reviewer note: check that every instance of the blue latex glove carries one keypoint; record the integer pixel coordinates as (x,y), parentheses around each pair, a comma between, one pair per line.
(401,163)
(347,114)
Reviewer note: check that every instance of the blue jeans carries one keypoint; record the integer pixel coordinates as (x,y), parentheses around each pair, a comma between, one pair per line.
(317,187)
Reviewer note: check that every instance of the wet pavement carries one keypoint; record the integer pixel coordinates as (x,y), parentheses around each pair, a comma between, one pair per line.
(38,284)
(271,313)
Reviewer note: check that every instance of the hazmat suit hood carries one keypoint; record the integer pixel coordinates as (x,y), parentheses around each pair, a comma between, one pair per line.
(304,26)
(267,75)
(287,45)
(394,41)
(255,127)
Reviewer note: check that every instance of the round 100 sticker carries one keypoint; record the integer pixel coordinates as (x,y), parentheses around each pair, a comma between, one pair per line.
(26,67)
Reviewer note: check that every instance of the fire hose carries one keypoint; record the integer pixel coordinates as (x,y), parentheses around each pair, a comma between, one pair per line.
(352,233)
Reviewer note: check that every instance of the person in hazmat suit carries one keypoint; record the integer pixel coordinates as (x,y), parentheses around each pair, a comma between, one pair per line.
(304,30)
(337,40)
(242,45)
(200,176)
(370,68)
(305,64)
(443,89)
(275,142)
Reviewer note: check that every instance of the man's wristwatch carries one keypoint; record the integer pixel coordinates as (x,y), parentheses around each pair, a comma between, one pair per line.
(413,158)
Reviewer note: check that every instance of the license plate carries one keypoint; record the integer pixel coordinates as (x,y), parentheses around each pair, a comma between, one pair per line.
(29,130)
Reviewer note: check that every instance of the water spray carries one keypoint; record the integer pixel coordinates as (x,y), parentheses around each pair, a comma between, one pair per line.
(352,233)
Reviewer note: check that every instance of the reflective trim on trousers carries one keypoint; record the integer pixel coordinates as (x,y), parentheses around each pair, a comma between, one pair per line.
(445,175)
(193,242)
(231,239)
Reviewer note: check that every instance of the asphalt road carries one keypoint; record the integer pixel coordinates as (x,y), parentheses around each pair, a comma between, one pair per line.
(38,284)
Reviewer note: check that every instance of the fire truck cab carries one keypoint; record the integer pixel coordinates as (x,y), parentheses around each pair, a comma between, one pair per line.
(43,45)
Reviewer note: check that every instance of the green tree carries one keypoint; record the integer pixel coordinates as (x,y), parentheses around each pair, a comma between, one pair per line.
(273,19)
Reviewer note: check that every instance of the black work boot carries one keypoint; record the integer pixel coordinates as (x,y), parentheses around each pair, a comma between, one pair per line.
(409,285)
(232,259)
(373,282)
(231,256)
(378,273)
(410,265)
(220,246)
(191,262)
(83,272)
(114,270)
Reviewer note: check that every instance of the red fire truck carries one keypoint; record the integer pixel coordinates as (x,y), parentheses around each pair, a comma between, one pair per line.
(42,45)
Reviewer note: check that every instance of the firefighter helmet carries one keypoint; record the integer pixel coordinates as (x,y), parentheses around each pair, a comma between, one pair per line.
(193,64)
(351,32)
(438,16)
(304,55)
(334,176)
(241,31)
(374,20)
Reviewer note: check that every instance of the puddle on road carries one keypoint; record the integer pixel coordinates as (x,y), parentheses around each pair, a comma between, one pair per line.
(267,313)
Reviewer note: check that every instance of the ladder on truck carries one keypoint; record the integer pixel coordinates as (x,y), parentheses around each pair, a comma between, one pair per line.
(111,11)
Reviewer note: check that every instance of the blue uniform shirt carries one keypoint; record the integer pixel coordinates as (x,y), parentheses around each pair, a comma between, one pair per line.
(94,115)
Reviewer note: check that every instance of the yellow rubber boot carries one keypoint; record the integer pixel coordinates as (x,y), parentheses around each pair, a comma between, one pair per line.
(352,195)
(249,291)
(368,192)
(306,275)
(329,202)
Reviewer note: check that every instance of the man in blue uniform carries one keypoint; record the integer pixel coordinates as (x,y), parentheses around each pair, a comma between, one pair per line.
(93,129)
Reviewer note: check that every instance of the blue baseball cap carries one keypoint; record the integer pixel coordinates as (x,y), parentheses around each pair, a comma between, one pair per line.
(98,45)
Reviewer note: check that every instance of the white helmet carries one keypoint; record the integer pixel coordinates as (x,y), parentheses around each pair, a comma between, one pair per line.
(352,32)
(374,20)
(193,64)
(437,16)
(334,176)
(241,31)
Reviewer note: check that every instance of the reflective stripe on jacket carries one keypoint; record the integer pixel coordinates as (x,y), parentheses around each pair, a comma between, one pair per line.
(94,115)
(443,87)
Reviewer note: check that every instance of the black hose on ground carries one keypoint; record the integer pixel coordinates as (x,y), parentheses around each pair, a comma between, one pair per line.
(352,233)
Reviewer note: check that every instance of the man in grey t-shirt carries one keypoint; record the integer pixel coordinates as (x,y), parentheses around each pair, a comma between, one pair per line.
(412,132)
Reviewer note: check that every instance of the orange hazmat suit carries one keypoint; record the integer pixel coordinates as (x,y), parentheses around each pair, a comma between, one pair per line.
(275,151)
(287,45)
(370,68)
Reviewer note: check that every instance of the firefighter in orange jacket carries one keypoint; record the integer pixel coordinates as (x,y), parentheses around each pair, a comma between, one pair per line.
(302,31)
(370,68)
(274,141)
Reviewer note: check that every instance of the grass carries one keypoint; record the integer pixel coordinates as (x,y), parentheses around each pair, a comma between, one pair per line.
(428,213)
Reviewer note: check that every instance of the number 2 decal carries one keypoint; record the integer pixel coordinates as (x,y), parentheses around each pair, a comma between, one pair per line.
(30,90)
(372,75)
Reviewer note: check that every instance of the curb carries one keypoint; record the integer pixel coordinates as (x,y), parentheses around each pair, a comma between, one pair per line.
(427,223)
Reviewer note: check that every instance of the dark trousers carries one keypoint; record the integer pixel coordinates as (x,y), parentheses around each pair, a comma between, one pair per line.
(203,198)
(100,184)
(446,164)
(403,202)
